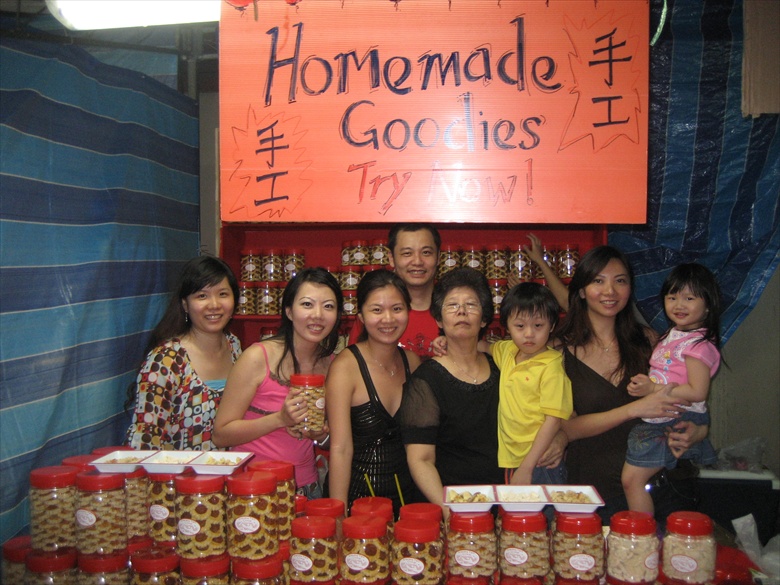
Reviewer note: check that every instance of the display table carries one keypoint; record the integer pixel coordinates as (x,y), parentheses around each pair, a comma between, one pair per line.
(726,495)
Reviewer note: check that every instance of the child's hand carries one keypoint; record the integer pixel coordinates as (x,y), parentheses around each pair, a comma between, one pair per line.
(641,385)
(439,346)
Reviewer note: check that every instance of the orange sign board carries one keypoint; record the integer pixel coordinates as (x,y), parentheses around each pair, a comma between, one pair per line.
(476,111)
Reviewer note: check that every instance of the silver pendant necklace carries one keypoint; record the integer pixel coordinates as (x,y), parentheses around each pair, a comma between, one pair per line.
(462,371)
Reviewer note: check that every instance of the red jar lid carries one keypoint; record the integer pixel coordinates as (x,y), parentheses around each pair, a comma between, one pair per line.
(379,242)
(93,481)
(273,252)
(283,470)
(325,507)
(523,522)
(373,506)
(460,580)
(136,473)
(472,522)
(307,380)
(139,543)
(295,252)
(100,451)
(501,247)
(264,569)
(360,243)
(579,523)
(300,504)
(56,476)
(250,483)
(284,550)
(313,527)
(627,522)
(421,511)
(17,548)
(373,267)
(689,523)
(162,477)
(416,530)
(472,248)
(83,462)
(250,252)
(347,244)
(51,562)
(364,527)
(155,560)
(103,563)
(199,484)
(205,567)
(497,282)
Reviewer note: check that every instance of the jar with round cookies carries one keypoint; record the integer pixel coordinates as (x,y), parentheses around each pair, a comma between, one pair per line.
(496,262)
(252,515)
(214,570)
(578,548)
(284,472)
(110,569)
(51,568)
(162,508)
(101,513)
(15,551)
(313,551)
(52,498)
(365,551)
(265,572)
(523,548)
(472,545)
(312,387)
(158,565)
(200,516)
(417,552)
(449,259)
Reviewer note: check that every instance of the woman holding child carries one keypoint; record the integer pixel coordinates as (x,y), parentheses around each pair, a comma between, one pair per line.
(448,412)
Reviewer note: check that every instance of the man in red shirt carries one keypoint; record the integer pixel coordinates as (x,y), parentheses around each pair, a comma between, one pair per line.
(414,257)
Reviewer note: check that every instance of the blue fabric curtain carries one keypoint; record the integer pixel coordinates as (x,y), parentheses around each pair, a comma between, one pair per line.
(714,176)
(99,207)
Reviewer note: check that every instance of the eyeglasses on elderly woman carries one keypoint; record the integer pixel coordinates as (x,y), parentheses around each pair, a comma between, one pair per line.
(469,307)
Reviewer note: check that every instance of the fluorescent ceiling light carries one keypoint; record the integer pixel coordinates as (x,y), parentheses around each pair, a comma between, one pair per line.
(98,14)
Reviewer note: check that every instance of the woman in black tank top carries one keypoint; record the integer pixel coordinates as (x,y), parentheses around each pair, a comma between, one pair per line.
(363,391)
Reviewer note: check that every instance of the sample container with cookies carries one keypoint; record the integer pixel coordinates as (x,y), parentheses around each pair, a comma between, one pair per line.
(214,570)
(632,549)
(314,551)
(417,552)
(365,551)
(252,515)
(200,516)
(52,507)
(101,513)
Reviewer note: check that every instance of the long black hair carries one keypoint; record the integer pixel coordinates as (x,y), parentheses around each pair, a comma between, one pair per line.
(286,328)
(375,280)
(702,284)
(575,330)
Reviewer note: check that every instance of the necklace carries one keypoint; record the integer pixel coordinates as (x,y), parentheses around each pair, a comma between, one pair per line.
(607,347)
(462,371)
(385,368)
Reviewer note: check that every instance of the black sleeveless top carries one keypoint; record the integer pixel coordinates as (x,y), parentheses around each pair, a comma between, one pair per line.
(377,447)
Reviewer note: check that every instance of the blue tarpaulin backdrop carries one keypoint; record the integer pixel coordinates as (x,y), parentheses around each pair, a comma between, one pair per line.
(99,207)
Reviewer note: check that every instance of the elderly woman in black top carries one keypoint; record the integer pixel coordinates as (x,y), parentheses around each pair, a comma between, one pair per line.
(449,412)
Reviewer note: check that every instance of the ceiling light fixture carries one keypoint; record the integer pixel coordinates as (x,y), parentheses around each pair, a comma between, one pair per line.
(92,14)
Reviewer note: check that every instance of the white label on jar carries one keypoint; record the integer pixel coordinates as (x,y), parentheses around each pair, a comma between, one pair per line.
(269,268)
(359,255)
(247,524)
(473,263)
(356,562)
(242,300)
(683,563)
(301,562)
(250,267)
(497,299)
(521,264)
(515,556)
(352,280)
(349,307)
(450,262)
(582,562)
(378,255)
(499,263)
(289,267)
(158,512)
(188,527)
(411,566)
(570,263)
(651,562)
(467,558)
(320,403)
(267,299)
(345,257)
(85,517)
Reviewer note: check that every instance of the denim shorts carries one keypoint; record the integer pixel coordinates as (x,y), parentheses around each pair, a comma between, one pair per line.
(647,445)
(313,491)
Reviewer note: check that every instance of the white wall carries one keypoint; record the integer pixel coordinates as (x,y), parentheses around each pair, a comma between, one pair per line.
(745,396)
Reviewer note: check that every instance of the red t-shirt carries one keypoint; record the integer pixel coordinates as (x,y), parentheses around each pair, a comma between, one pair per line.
(420,332)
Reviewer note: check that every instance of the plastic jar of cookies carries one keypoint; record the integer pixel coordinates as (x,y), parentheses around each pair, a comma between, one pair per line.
(267,298)
(103,569)
(156,566)
(567,260)
(632,549)
(578,548)
(471,256)
(101,513)
(284,473)
(498,289)
(349,277)
(82,462)
(214,570)
(365,551)
(330,507)
(162,508)
(379,252)
(496,263)
(15,551)
(51,568)
(549,257)
(524,548)
(471,545)
(313,550)
(252,515)
(376,507)
(417,552)
(520,264)
(272,265)
(689,549)
(294,261)
(360,253)
(347,252)
(200,516)
(312,387)
(449,259)
(250,265)
(265,572)
(52,506)
(350,302)
(136,493)
(246,304)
